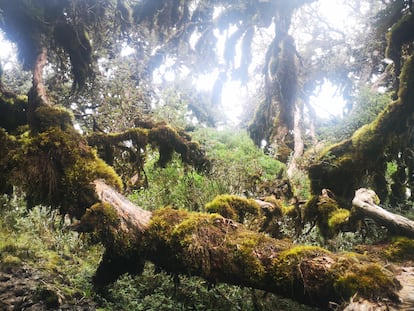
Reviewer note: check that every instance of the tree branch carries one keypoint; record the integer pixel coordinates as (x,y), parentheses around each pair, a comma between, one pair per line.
(221,250)
(364,202)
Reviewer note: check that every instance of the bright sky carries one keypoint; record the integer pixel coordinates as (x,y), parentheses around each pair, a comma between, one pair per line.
(7,53)
(326,102)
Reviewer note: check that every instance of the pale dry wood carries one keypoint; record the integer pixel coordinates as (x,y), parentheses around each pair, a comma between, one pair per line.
(132,217)
(364,204)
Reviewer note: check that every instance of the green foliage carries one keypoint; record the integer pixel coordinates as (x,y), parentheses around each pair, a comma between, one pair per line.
(238,163)
(402,248)
(238,166)
(157,290)
(368,280)
(176,185)
(368,104)
(392,168)
(37,237)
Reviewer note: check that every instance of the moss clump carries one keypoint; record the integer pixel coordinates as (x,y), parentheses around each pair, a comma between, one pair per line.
(105,222)
(47,117)
(399,34)
(137,135)
(402,248)
(368,140)
(366,280)
(286,271)
(327,213)
(122,246)
(10,261)
(233,207)
(167,140)
(338,218)
(181,241)
(7,162)
(248,244)
(208,245)
(63,166)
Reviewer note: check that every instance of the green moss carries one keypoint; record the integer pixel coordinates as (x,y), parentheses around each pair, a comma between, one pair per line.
(106,226)
(338,218)
(233,207)
(10,261)
(366,280)
(399,34)
(102,217)
(405,93)
(286,268)
(248,245)
(47,117)
(178,239)
(167,140)
(137,135)
(162,225)
(327,213)
(402,248)
(63,166)
(207,245)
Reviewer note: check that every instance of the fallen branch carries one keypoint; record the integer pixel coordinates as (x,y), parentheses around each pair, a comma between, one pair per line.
(364,204)
(221,250)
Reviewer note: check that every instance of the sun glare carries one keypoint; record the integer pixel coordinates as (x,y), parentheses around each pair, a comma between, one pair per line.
(7,53)
(327,101)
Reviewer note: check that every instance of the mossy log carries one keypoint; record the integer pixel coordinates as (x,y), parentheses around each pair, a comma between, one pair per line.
(364,205)
(221,250)
(346,166)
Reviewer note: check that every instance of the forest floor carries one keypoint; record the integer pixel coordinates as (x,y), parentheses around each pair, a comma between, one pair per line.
(24,288)
(405,275)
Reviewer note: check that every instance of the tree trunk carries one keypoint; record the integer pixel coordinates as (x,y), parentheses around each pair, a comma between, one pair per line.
(364,202)
(37,94)
(220,250)
(345,166)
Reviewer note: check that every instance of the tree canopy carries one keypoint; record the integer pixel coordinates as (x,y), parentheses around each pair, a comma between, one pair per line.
(124,100)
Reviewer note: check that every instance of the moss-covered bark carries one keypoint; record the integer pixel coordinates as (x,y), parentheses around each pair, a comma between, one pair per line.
(346,166)
(221,250)
(159,135)
(327,213)
(55,165)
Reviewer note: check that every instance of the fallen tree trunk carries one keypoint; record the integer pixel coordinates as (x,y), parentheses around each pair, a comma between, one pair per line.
(364,205)
(220,250)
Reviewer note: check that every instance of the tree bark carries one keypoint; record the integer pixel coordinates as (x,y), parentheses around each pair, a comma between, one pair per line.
(221,250)
(37,94)
(364,203)
(38,85)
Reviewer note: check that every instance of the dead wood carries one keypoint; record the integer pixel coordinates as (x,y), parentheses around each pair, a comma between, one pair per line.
(364,205)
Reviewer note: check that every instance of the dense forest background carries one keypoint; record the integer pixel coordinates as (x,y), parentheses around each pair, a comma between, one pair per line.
(205,155)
